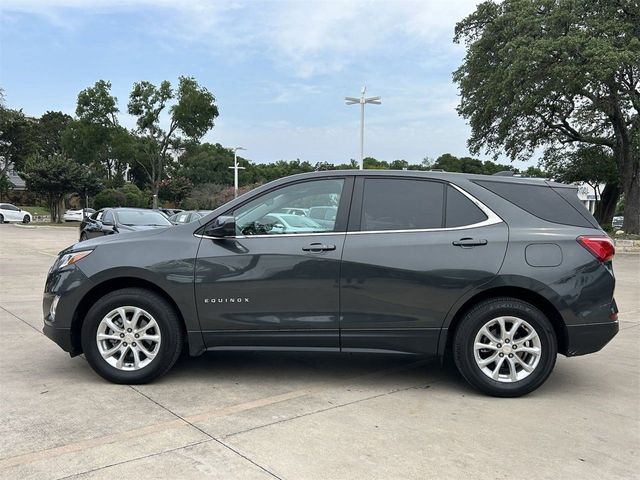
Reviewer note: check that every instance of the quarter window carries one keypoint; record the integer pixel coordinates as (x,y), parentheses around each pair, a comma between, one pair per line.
(306,207)
(461,211)
(400,204)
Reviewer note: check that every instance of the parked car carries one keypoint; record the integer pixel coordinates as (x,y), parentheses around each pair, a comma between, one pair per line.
(188,216)
(11,213)
(168,212)
(107,221)
(289,223)
(77,215)
(303,212)
(325,215)
(501,273)
(617,222)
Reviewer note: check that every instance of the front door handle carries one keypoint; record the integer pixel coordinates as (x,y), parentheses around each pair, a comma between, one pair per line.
(318,247)
(469,242)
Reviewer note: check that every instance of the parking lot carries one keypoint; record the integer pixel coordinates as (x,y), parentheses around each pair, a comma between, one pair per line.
(301,416)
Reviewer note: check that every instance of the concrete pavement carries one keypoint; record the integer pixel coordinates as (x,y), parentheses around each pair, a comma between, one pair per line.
(301,416)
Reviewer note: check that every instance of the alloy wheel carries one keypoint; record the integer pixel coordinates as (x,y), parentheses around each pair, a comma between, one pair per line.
(128,338)
(507,349)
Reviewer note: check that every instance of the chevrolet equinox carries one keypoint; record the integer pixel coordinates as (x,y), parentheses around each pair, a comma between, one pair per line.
(501,273)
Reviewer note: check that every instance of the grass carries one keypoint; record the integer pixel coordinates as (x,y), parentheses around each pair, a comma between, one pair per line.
(35,210)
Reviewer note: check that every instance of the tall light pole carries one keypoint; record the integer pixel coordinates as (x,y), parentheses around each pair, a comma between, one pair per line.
(362,100)
(235,170)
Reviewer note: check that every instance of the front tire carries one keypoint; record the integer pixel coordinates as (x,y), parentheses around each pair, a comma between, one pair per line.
(505,347)
(132,336)
(1,218)
(26,219)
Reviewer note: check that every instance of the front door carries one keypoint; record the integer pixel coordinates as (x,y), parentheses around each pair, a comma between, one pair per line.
(276,283)
(413,248)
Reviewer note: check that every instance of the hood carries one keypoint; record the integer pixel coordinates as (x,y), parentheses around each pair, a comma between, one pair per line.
(141,233)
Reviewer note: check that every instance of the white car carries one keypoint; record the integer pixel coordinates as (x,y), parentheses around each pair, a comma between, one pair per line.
(11,213)
(76,215)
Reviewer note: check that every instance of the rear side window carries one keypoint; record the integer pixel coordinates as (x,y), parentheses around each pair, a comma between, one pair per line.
(461,211)
(539,200)
(399,204)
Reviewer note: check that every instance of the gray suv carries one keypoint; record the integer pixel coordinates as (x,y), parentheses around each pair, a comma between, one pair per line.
(501,273)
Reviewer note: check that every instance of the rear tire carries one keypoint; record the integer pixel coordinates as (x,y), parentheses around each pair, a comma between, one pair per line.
(26,219)
(1,218)
(83,237)
(499,361)
(135,359)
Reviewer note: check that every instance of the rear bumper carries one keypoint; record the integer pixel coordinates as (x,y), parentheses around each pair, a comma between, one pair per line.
(589,338)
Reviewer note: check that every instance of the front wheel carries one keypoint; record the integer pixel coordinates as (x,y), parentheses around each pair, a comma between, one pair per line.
(26,219)
(505,347)
(131,336)
(1,218)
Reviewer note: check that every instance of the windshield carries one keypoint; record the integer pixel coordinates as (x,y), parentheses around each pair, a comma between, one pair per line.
(142,217)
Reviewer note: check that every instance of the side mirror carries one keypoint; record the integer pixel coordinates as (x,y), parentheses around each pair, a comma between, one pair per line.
(222,227)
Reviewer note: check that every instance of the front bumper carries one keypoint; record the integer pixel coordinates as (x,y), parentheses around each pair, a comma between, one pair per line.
(62,337)
(70,285)
(589,338)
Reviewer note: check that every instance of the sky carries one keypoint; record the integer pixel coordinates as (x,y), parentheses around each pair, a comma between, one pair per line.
(279,69)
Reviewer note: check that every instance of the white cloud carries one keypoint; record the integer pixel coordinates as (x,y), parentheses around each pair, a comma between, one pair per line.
(307,37)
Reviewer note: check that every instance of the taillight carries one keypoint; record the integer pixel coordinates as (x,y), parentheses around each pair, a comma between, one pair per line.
(600,246)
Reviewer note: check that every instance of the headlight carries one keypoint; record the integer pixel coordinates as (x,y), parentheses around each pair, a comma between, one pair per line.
(72,258)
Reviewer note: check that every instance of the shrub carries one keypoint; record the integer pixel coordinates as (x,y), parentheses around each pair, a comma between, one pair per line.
(126,196)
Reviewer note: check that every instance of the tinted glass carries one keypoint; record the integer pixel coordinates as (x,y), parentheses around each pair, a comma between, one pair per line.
(399,204)
(108,217)
(461,211)
(263,216)
(539,200)
(571,196)
(142,217)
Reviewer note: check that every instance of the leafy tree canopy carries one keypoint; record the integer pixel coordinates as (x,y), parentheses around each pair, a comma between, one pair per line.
(554,75)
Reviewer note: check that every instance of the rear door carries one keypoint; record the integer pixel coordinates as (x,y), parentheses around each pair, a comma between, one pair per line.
(413,248)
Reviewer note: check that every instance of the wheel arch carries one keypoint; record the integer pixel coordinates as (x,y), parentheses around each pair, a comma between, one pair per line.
(521,293)
(119,283)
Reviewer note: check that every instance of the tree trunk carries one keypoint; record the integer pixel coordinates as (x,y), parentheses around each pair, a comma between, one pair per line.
(606,207)
(156,189)
(60,209)
(631,222)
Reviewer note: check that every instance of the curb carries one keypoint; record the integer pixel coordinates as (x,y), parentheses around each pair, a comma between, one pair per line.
(627,246)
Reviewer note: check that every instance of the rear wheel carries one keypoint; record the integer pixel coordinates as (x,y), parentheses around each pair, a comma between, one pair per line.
(505,347)
(26,219)
(131,336)
(83,237)
(1,218)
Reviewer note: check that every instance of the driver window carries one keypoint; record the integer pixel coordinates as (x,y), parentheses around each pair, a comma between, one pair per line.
(292,209)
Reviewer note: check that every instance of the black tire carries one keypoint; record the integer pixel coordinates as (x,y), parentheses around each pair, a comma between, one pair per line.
(83,237)
(1,218)
(476,318)
(172,336)
(26,219)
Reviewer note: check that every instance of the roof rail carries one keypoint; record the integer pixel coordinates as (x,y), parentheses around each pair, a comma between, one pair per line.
(504,173)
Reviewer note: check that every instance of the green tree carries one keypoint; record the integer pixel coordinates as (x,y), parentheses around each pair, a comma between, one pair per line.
(593,165)
(18,139)
(556,74)
(51,127)
(190,117)
(53,176)
(96,137)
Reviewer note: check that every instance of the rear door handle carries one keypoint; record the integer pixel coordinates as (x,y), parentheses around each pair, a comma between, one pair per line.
(318,247)
(469,242)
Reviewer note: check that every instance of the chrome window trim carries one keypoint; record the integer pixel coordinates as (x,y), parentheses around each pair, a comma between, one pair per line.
(492,219)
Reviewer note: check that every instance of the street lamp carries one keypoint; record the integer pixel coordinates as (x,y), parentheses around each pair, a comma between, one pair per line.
(235,170)
(362,100)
